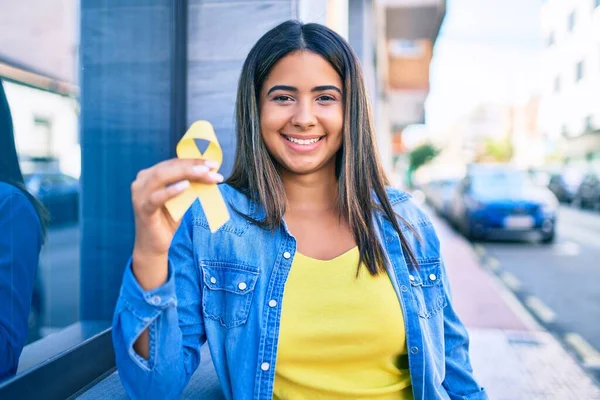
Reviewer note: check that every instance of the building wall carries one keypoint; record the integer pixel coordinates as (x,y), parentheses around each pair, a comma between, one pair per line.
(409,67)
(381,113)
(39,49)
(411,27)
(568,104)
(529,147)
(407,106)
(332,13)
(41,35)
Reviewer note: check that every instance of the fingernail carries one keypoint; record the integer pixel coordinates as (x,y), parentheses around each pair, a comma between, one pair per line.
(181,186)
(200,169)
(211,164)
(215,176)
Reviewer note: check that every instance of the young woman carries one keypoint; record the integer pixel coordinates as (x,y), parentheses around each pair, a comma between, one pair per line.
(22,229)
(324,284)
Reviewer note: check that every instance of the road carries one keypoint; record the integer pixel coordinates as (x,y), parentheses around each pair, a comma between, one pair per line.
(558,283)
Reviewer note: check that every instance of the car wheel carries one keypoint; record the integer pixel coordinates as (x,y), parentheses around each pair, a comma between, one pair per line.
(465,228)
(548,238)
(470,232)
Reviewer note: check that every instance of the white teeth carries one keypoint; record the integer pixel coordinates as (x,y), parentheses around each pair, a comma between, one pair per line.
(300,141)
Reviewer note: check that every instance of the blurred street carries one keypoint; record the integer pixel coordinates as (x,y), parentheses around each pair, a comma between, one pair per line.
(513,355)
(558,283)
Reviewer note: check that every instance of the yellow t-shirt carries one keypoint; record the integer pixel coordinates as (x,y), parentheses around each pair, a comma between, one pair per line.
(341,337)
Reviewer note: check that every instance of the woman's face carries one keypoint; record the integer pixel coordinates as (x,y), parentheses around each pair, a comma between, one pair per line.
(302,113)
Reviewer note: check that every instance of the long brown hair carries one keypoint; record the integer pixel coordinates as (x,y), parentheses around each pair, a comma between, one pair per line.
(359,172)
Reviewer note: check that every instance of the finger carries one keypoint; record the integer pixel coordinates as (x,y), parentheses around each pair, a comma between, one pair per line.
(161,196)
(175,170)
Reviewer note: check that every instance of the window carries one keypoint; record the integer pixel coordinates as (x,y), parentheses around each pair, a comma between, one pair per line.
(406,48)
(571,22)
(579,71)
(589,123)
(41,91)
(42,135)
(557,84)
(44,148)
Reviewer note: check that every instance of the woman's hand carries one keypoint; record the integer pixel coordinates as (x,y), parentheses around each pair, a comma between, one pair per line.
(154,227)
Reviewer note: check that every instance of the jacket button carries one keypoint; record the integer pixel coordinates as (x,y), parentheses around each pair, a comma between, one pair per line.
(155,300)
(404,288)
(242,286)
(432,277)
(272,303)
(213,280)
(265,366)
(414,350)
(286,255)
(412,278)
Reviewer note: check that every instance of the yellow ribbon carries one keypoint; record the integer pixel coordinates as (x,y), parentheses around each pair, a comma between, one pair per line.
(209,195)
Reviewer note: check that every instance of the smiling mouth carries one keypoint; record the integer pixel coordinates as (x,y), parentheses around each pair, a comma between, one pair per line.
(304,142)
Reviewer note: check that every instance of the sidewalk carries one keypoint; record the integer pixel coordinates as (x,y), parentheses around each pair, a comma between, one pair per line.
(513,357)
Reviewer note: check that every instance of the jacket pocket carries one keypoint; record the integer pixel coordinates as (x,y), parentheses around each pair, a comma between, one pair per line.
(228,291)
(428,288)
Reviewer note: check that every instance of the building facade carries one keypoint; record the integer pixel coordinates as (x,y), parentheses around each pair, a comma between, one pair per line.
(410,28)
(570,96)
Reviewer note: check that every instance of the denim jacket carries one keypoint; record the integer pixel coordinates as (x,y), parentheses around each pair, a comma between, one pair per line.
(227,288)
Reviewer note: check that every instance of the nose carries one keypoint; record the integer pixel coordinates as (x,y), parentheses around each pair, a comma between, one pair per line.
(304,117)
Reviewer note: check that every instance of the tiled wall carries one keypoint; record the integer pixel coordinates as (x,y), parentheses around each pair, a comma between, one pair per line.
(125,126)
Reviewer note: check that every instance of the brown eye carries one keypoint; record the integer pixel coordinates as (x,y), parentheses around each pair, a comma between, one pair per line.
(326,98)
(282,99)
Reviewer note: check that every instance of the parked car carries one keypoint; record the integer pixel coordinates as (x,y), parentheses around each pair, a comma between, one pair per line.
(588,193)
(500,199)
(565,185)
(58,192)
(439,194)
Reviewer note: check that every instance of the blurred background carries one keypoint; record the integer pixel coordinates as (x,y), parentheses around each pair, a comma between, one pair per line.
(488,112)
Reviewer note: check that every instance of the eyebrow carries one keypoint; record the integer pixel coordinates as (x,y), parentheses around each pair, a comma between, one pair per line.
(293,89)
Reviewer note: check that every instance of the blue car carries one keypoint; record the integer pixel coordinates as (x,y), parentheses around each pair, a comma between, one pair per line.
(499,201)
(58,192)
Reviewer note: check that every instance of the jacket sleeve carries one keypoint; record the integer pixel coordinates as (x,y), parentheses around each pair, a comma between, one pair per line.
(20,243)
(459,381)
(173,315)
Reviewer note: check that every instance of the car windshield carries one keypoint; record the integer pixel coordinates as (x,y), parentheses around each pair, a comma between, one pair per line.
(499,182)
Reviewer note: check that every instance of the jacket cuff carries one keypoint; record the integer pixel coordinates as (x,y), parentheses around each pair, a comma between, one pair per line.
(147,304)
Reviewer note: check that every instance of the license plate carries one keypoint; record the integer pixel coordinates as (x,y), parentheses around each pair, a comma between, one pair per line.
(519,222)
